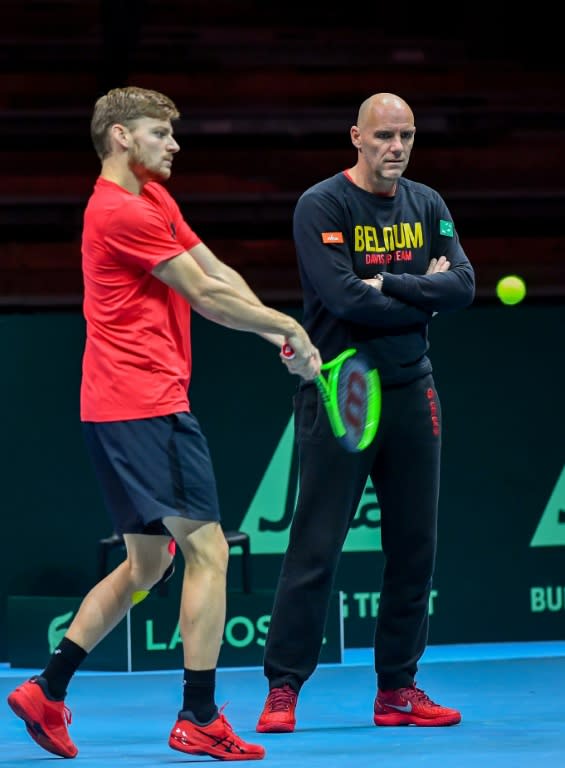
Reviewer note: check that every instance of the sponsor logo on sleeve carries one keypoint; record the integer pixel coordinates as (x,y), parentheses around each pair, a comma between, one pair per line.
(330,238)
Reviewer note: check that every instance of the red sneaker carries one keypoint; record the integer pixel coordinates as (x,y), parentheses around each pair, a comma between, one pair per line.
(217,739)
(278,713)
(411,706)
(46,720)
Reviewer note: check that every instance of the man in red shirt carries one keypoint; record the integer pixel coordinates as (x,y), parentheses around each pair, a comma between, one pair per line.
(144,269)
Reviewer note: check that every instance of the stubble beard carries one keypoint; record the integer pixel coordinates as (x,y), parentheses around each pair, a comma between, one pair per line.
(141,167)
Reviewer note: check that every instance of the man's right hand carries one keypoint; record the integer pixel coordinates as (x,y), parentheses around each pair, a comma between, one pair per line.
(306,360)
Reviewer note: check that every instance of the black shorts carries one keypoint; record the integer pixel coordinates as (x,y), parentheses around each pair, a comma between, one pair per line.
(149,469)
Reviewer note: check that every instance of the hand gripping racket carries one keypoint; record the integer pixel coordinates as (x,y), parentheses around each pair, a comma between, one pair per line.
(351,393)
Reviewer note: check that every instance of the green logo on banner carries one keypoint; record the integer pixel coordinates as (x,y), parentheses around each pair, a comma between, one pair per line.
(267,521)
(551,527)
(446,228)
(57,629)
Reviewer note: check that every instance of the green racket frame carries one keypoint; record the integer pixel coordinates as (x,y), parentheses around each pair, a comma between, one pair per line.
(328,388)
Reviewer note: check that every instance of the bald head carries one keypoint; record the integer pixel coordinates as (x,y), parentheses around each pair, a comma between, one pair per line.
(383,137)
(386,107)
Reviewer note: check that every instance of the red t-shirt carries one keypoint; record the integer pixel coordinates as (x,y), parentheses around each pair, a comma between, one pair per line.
(137,358)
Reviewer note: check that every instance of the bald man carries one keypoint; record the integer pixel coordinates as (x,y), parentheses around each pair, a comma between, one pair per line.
(393,262)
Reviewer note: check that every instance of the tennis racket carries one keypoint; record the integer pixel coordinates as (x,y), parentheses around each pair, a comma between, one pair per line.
(351,393)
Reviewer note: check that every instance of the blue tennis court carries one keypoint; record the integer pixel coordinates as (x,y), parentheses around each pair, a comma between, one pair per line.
(511,696)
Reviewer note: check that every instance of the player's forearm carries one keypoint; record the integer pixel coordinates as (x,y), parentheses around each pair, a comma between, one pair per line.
(220,294)
(235,280)
(222,304)
(231,277)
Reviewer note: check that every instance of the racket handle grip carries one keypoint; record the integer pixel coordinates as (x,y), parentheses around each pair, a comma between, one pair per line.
(287,351)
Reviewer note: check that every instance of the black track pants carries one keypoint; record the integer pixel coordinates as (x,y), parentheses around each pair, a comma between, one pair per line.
(404,463)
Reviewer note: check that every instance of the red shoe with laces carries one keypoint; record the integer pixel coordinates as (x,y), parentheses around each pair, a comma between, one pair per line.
(46,719)
(411,706)
(215,739)
(278,713)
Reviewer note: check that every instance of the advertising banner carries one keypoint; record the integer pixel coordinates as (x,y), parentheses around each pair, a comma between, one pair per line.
(149,638)
(500,569)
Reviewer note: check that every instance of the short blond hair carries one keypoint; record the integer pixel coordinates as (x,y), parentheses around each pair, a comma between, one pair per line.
(124,105)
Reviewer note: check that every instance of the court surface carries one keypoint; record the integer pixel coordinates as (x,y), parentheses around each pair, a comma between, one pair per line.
(512,698)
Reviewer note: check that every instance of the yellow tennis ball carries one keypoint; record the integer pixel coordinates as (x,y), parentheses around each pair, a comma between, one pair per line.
(511,289)
(138,596)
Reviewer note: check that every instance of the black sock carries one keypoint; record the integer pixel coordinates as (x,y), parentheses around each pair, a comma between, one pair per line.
(198,693)
(64,662)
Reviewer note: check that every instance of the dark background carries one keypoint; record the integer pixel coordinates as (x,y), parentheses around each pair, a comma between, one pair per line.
(267,97)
